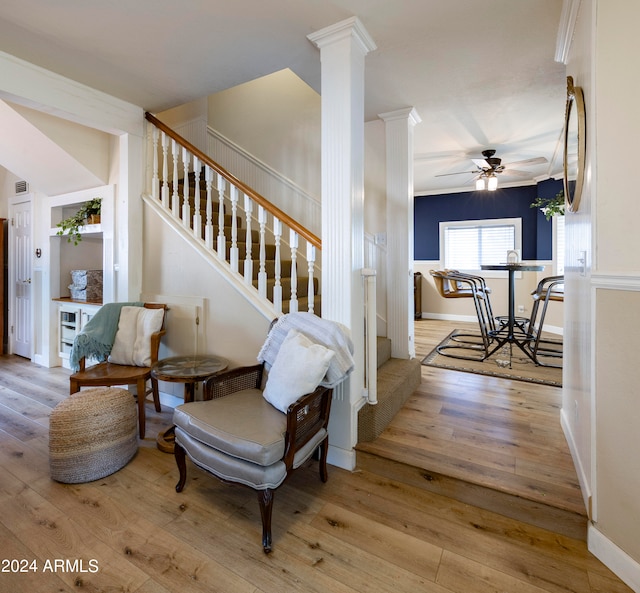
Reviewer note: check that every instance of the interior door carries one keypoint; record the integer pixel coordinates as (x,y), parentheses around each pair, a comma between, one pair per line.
(20,278)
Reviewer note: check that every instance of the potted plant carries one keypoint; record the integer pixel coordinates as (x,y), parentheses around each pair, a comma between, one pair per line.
(89,213)
(550,206)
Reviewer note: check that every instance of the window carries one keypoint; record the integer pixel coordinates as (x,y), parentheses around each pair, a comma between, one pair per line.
(466,245)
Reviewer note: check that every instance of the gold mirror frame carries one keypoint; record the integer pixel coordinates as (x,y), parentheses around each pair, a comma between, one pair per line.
(574,145)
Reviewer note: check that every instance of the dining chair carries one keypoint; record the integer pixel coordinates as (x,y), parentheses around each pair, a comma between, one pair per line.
(545,350)
(452,284)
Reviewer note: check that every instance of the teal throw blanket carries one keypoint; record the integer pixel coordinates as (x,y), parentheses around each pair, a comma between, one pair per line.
(95,340)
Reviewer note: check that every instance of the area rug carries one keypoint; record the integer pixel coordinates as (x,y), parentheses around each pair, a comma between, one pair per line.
(507,362)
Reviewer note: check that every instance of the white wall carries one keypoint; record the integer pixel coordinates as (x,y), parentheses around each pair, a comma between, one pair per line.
(276,118)
(229,326)
(601,409)
(88,146)
(617,279)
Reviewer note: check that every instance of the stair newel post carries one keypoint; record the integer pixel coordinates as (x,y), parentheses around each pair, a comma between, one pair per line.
(233,253)
(222,242)
(175,197)
(165,171)
(197,216)
(262,274)
(277,287)
(208,229)
(155,182)
(248,260)
(186,210)
(311,262)
(293,244)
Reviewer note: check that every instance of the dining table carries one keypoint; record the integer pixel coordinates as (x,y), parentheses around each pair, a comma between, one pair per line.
(507,333)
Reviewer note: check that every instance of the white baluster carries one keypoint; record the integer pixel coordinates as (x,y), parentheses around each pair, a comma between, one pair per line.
(155,182)
(175,198)
(233,252)
(222,242)
(248,259)
(293,243)
(186,209)
(277,287)
(311,261)
(165,171)
(208,229)
(262,274)
(197,216)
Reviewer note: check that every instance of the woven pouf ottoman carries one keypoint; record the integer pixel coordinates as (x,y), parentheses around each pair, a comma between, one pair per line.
(92,434)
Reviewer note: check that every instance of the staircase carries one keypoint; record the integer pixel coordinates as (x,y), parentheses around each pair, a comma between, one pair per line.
(261,247)
(270,262)
(397,380)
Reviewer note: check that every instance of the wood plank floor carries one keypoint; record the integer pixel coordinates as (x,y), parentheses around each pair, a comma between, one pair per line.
(359,532)
(494,433)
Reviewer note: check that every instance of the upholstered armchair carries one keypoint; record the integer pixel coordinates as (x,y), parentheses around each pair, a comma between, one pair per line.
(258,424)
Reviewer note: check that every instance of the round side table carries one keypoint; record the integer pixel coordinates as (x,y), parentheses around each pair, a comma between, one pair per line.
(188,370)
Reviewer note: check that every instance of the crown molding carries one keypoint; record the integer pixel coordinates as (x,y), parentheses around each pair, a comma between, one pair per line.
(568,18)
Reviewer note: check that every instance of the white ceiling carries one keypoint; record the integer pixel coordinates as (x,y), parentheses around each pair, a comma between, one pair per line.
(479,74)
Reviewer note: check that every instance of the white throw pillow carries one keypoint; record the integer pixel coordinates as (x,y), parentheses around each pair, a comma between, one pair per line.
(132,344)
(298,369)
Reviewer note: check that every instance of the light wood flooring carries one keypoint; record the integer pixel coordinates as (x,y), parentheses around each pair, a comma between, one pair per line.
(359,532)
(460,430)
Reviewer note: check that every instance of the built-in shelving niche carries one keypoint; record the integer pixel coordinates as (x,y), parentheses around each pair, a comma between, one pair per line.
(94,252)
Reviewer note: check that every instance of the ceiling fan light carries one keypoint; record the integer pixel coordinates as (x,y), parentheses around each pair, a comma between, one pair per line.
(492,183)
(480,184)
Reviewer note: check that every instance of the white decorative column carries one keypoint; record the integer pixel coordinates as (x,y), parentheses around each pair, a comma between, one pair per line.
(343,47)
(399,126)
(128,219)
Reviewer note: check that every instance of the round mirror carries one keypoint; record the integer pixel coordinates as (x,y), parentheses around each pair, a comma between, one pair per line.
(574,145)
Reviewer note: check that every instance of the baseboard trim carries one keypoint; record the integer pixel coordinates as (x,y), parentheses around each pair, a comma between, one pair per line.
(342,458)
(585,486)
(617,560)
(445,317)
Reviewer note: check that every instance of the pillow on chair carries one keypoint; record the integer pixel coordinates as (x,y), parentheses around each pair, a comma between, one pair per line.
(132,344)
(298,369)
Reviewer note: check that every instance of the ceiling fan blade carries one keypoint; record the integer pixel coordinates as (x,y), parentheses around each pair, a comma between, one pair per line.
(509,171)
(534,161)
(459,173)
(481,163)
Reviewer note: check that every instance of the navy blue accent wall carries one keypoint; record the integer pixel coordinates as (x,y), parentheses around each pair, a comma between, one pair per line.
(510,202)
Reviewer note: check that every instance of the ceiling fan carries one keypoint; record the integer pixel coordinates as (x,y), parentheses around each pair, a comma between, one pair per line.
(490,166)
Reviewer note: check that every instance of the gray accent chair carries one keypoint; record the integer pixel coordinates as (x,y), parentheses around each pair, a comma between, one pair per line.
(239,437)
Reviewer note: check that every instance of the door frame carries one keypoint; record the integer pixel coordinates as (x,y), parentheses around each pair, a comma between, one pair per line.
(13,203)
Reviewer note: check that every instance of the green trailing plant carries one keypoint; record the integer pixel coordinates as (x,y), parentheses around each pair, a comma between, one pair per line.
(72,225)
(550,206)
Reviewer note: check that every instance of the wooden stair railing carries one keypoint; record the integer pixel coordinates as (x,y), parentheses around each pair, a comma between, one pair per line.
(258,241)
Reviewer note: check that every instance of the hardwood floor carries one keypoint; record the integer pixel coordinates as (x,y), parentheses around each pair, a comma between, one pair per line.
(359,532)
(502,436)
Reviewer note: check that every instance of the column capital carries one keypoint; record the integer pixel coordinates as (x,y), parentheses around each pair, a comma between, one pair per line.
(408,113)
(351,27)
